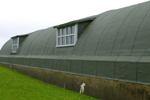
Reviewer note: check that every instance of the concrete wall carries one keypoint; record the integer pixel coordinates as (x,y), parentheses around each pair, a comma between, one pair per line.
(96,87)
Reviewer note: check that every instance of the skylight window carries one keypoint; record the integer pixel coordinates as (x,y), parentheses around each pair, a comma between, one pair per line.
(67,36)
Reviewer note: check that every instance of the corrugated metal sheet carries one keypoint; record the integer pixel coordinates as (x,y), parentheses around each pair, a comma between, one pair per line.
(115,45)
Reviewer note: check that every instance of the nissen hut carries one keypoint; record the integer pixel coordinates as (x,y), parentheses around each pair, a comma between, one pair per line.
(109,52)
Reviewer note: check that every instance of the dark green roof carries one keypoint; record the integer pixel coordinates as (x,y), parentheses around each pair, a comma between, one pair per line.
(76,21)
(24,35)
(124,31)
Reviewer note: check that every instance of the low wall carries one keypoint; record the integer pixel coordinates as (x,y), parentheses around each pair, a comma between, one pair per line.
(103,89)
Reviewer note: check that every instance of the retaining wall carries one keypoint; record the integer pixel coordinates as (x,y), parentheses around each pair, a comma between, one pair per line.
(103,89)
(106,78)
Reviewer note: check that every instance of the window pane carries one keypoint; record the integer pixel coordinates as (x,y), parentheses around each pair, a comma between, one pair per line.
(69,30)
(67,39)
(72,29)
(64,31)
(14,48)
(72,39)
(14,41)
(58,41)
(15,44)
(60,32)
(63,40)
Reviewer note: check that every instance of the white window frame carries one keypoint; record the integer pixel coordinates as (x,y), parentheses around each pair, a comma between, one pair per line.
(17,44)
(67,35)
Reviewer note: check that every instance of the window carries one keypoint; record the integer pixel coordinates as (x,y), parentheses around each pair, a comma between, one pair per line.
(15,44)
(66,36)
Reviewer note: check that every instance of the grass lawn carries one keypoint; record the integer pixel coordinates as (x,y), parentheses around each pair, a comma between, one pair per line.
(17,86)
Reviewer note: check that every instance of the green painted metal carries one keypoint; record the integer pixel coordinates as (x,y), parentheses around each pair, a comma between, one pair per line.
(112,45)
(91,18)
(118,32)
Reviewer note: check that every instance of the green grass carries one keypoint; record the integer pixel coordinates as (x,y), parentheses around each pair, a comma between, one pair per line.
(17,86)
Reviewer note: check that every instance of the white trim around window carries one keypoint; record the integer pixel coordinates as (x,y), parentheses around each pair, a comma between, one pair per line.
(15,44)
(67,36)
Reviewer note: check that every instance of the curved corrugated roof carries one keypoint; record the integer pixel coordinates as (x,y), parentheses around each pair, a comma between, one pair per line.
(125,31)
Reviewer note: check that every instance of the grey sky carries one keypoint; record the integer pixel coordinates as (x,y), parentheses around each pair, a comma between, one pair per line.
(24,16)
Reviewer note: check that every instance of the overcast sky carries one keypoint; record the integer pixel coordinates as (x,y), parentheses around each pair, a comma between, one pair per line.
(24,16)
